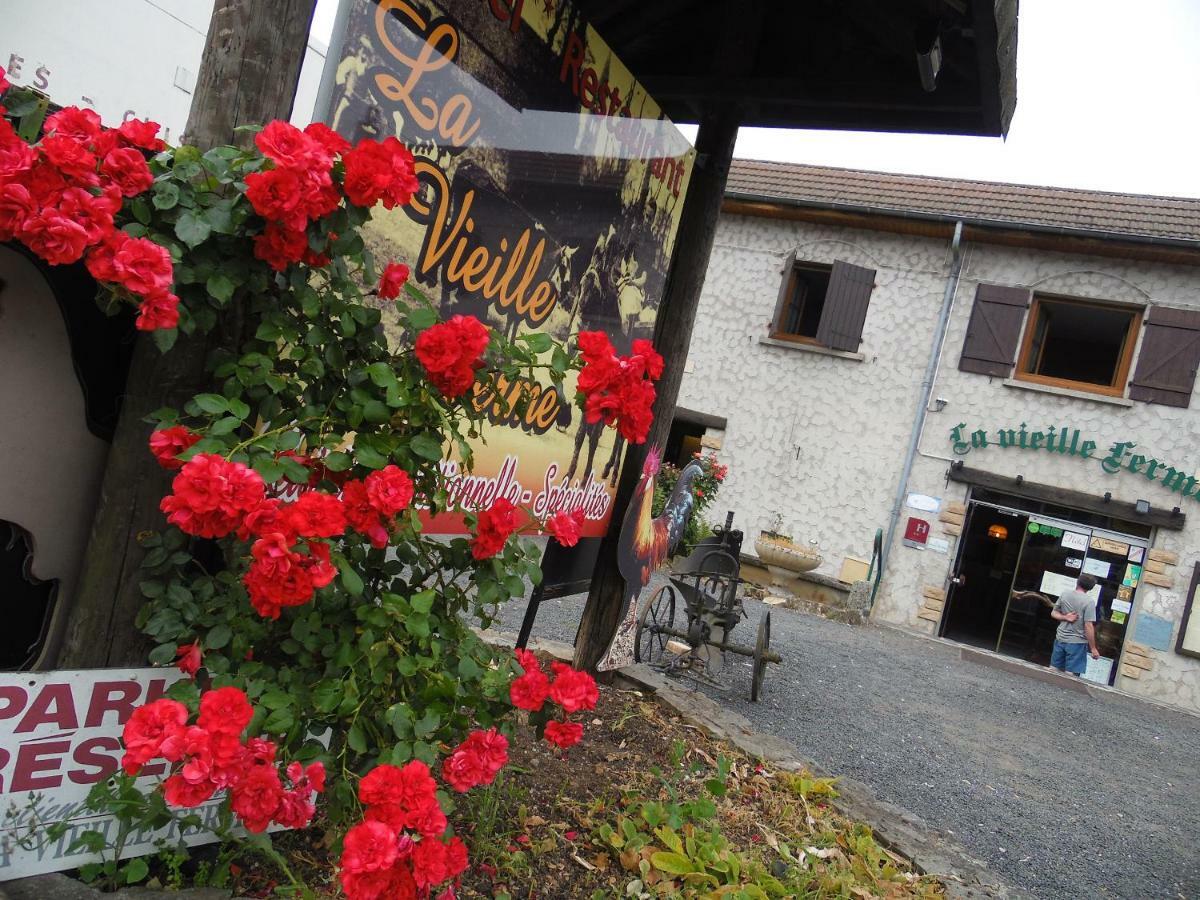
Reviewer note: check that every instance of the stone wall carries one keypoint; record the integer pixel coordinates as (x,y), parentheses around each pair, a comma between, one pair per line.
(819,439)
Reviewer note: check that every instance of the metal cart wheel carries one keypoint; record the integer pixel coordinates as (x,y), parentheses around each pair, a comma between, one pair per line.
(760,651)
(650,640)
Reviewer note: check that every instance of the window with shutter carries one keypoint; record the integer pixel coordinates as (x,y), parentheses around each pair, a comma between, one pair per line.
(1170,355)
(825,305)
(1079,344)
(990,347)
(846,304)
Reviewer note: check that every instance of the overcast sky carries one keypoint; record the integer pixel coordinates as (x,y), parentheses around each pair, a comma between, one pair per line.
(1108,98)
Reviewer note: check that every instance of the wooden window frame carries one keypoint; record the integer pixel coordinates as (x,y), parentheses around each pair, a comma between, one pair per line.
(784,303)
(1124,364)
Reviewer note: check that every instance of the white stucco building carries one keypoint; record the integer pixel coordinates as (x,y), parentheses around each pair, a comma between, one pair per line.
(1040,368)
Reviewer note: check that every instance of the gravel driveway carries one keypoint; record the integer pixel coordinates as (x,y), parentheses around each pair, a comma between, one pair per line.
(1065,795)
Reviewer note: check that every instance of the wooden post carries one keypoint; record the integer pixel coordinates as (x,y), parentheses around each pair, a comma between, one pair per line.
(672,336)
(248,76)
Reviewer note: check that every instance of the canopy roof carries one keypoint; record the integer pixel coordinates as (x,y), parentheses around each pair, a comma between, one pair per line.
(836,64)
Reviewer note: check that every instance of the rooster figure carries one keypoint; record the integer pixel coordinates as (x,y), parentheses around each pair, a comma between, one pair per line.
(645,543)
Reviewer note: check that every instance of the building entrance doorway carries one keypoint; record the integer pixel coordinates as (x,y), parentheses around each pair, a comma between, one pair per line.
(1013,563)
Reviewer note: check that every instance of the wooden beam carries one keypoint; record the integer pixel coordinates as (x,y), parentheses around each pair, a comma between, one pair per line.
(248,76)
(1047,493)
(676,316)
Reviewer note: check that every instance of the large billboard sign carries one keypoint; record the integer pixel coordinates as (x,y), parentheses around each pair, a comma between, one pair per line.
(552,186)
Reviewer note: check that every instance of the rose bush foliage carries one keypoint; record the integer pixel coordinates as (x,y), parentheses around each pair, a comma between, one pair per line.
(293,569)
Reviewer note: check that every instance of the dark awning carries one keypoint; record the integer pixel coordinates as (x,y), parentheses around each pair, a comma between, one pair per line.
(836,64)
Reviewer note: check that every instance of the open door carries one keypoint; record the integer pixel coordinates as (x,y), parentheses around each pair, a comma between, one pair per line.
(988,552)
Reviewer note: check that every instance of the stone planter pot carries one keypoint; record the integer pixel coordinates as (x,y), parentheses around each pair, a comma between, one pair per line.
(784,559)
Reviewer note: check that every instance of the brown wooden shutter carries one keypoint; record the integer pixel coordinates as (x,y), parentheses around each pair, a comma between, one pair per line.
(990,347)
(1166,369)
(786,286)
(845,308)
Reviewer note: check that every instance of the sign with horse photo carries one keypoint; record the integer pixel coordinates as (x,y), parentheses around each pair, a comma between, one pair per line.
(551,190)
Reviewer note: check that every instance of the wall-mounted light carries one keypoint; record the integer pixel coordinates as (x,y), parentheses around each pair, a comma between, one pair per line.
(1020,479)
(1142,507)
(1107,496)
(939,403)
(998,532)
(1176,511)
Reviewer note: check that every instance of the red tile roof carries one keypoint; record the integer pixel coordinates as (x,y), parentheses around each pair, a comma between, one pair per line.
(1094,213)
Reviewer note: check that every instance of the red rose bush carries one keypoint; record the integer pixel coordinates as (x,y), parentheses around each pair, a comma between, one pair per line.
(293,568)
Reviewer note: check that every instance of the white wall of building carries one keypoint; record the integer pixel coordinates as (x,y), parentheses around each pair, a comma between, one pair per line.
(123,58)
(820,439)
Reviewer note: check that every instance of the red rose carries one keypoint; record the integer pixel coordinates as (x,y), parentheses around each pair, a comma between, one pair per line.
(54,237)
(318,194)
(81,125)
(167,443)
(127,169)
(147,728)
(142,134)
(434,861)
(333,142)
(178,791)
(476,760)
(409,786)
(451,352)
(70,157)
(256,798)
(618,390)
(16,156)
(274,194)
(279,247)
(379,171)
(389,490)
(316,514)
(225,711)
(395,883)
(188,657)
(102,258)
(530,690)
(16,206)
(563,734)
(565,526)
(394,277)
(362,514)
(493,529)
(288,147)
(143,267)
(90,211)
(158,311)
(573,690)
(4,82)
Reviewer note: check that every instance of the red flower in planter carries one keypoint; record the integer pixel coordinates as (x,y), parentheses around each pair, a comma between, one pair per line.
(188,657)
(564,735)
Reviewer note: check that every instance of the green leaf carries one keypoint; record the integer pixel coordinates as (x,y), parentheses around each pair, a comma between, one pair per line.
(356,739)
(538,341)
(351,580)
(337,462)
(369,457)
(136,870)
(377,413)
(164,338)
(218,637)
(422,317)
(672,863)
(226,425)
(279,722)
(192,230)
(423,601)
(327,695)
(427,446)
(166,195)
(238,408)
(221,286)
(212,403)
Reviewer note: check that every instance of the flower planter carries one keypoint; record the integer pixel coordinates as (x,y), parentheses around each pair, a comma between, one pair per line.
(784,559)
